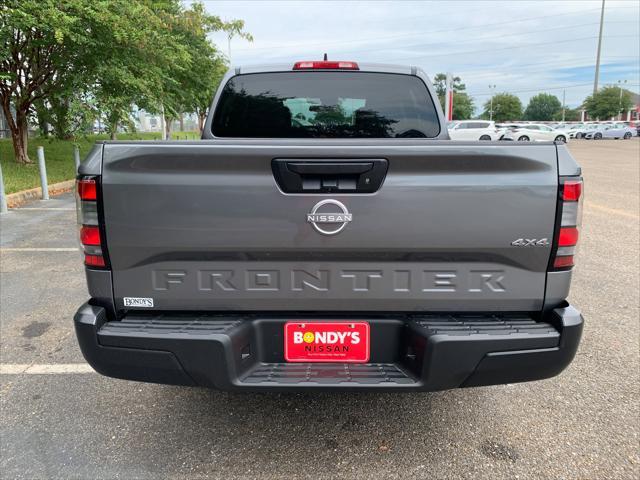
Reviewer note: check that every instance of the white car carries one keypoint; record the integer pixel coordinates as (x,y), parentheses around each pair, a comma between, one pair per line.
(575,130)
(504,129)
(581,132)
(474,130)
(572,129)
(537,132)
(581,129)
(616,130)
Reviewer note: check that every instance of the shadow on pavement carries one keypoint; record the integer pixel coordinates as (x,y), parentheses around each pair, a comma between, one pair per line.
(238,432)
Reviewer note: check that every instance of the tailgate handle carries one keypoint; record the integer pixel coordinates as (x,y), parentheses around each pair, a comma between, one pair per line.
(329,168)
(331,175)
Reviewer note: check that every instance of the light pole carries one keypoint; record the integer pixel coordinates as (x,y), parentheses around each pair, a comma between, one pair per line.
(595,80)
(563,108)
(492,89)
(620,82)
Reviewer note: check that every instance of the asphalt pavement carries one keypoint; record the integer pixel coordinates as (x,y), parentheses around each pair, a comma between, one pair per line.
(58,420)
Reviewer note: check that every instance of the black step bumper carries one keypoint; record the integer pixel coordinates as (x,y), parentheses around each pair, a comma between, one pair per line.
(415,353)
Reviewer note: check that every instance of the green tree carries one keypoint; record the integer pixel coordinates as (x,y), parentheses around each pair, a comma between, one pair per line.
(542,107)
(55,50)
(213,64)
(463,106)
(329,115)
(505,107)
(68,61)
(440,84)
(38,42)
(570,115)
(138,65)
(64,105)
(608,102)
(200,72)
(201,98)
(67,112)
(40,115)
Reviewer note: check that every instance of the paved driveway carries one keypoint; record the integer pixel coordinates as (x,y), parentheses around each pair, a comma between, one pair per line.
(58,420)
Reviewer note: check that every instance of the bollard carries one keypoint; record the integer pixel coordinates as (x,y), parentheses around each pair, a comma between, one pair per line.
(3,199)
(43,174)
(76,157)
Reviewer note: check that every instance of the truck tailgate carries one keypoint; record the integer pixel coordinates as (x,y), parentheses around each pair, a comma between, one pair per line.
(205,226)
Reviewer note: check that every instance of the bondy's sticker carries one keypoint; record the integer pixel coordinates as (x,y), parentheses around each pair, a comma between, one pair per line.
(138,302)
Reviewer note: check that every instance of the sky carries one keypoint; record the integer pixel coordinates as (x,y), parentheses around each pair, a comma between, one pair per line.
(521,47)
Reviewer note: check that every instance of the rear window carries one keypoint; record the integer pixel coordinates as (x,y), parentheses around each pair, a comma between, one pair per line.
(325,105)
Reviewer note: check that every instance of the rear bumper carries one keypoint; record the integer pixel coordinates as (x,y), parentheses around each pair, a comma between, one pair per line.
(413,353)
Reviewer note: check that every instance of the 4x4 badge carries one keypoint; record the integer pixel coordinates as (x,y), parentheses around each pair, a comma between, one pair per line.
(330,212)
(530,242)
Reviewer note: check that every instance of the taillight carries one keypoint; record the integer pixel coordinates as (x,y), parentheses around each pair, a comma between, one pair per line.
(568,237)
(94,260)
(570,210)
(91,236)
(572,190)
(325,65)
(87,188)
(565,261)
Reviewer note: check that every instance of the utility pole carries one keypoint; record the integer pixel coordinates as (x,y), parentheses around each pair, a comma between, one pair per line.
(491,88)
(595,80)
(563,96)
(229,47)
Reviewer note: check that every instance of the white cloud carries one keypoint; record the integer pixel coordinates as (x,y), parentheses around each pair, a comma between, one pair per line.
(523,47)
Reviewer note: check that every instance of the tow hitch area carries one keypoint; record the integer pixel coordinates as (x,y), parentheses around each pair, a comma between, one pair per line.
(414,352)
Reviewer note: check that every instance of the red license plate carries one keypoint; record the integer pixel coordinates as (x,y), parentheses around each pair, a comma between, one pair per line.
(344,342)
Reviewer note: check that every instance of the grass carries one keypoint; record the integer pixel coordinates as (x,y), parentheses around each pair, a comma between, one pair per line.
(59,157)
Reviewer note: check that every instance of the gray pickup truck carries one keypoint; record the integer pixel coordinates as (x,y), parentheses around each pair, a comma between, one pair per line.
(325,233)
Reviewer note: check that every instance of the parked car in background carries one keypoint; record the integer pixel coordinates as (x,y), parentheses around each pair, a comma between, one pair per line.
(474,130)
(634,125)
(536,132)
(588,127)
(575,130)
(615,130)
(505,128)
(560,126)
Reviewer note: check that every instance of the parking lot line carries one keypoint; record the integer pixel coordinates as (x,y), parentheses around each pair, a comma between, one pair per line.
(38,249)
(44,368)
(39,209)
(612,211)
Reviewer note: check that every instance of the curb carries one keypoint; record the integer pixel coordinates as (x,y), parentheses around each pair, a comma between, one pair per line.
(18,198)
